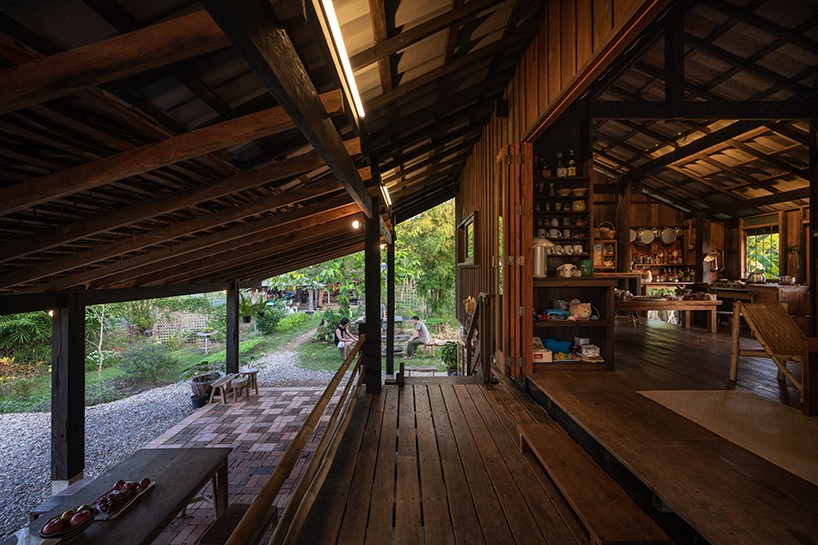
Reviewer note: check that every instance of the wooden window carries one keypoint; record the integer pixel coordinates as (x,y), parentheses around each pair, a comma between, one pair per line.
(467,241)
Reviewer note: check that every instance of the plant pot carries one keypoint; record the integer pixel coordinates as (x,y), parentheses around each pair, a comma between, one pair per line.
(245,319)
(198,402)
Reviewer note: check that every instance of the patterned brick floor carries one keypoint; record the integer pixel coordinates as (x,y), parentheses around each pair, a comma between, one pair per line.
(259,429)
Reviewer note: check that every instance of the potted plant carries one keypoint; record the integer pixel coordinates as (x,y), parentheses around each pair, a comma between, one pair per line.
(449,356)
(200,377)
(246,308)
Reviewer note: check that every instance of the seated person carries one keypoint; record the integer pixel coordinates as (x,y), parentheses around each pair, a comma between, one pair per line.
(419,336)
(343,338)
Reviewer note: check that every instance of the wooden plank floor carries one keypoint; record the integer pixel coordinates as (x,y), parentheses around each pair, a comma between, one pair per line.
(727,494)
(437,462)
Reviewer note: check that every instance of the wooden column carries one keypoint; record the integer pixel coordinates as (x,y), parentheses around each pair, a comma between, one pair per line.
(390,308)
(372,281)
(232,333)
(702,247)
(813,226)
(68,392)
(623,227)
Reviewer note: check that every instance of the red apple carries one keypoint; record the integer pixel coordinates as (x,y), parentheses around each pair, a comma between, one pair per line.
(130,486)
(79,518)
(119,484)
(144,483)
(53,527)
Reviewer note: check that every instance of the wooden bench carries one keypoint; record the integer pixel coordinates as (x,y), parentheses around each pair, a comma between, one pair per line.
(608,513)
(57,499)
(408,370)
(221,386)
(220,530)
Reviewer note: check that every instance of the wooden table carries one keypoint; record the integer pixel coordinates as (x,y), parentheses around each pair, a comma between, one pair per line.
(686,306)
(178,475)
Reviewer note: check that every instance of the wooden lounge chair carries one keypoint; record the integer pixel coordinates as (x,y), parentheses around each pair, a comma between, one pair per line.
(780,337)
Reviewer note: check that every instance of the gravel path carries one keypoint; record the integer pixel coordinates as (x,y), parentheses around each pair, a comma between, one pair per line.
(113,432)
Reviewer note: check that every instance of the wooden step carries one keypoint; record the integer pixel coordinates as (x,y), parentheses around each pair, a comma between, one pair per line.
(608,513)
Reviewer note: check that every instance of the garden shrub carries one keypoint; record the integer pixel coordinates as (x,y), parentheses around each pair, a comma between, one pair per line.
(147,359)
(326,329)
(267,323)
(109,359)
(291,321)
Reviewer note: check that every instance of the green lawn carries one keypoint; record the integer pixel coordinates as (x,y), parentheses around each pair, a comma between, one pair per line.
(317,356)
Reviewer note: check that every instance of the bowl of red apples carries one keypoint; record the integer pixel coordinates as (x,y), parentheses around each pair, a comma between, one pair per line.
(70,524)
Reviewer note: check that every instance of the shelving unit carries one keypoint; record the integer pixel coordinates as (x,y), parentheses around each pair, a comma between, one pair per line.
(544,212)
(597,291)
(605,251)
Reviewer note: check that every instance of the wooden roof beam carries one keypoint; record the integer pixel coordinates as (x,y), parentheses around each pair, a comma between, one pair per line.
(419,32)
(94,64)
(293,220)
(748,204)
(155,155)
(256,32)
(264,174)
(172,232)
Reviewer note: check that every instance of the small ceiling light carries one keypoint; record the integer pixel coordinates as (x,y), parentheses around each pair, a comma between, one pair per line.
(356,224)
(51,313)
(329,10)
(386,194)
(383,246)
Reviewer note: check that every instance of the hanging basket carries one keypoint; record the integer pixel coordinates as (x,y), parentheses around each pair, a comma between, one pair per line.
(606,233)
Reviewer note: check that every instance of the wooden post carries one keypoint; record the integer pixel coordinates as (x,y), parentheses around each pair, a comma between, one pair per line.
(372,281)
(310,295)
(813,226)
(232,334)
(702,247)
(735,332)
(390,308)
(485,339)
(68,393)
(623,228)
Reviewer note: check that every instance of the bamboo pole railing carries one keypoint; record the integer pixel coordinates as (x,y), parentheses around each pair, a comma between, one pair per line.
(248,530)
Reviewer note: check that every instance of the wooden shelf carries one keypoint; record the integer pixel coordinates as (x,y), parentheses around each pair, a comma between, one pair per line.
(566,179)
(560,197)
(572,323)
(572,366)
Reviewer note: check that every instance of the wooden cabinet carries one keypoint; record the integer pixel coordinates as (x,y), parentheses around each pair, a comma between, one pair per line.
(597,291)
(605,255)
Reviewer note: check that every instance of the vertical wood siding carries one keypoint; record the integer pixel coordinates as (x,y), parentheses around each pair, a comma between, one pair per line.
(569,33)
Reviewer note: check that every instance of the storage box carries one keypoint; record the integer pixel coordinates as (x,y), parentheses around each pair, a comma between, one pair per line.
(590,351)
(580,341)
(541,353)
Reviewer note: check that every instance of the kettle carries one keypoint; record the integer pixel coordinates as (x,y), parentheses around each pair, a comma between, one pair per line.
(539,258)
(566,270)
(756,278)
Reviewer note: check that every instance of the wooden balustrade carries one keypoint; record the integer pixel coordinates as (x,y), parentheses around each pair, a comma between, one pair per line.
(250,528)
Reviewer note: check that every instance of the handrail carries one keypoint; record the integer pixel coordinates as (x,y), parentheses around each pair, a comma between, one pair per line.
(248,526)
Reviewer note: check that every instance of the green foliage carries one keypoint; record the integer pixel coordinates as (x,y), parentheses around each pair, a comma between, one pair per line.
(96,394)
(326,329)
(26,336)
(430,235)
(267,323)
(109,359)
(763,254)
(291,321)
(449,354)
(147,359)
(141,314)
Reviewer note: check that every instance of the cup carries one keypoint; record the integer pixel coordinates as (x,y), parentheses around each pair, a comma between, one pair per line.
(578,248)
(568,249)
(558,250)
(554,233)
(566,233)
(555,222)
(549,250)
(557,206)
(542,233)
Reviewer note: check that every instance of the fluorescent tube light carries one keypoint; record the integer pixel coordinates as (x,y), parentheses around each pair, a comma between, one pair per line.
(329,10)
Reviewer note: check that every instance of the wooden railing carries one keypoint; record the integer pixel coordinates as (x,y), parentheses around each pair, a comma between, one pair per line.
(250,528)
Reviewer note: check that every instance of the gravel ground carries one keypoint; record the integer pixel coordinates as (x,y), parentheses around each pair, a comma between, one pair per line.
(113,432)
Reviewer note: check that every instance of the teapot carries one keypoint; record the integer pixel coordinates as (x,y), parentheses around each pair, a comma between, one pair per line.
(566,270)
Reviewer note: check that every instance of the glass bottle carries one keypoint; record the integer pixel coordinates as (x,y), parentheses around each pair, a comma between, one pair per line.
(572,165)
(546,170)
(562,172)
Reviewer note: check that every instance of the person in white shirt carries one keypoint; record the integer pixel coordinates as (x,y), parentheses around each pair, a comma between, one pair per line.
(419,337)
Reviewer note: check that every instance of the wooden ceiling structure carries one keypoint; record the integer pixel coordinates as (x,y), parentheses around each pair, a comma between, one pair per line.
(176,142)
(710,111)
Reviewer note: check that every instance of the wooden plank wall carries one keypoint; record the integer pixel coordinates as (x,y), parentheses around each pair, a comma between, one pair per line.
(569,34)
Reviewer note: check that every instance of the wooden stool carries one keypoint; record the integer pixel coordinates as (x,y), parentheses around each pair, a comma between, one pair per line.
(238,385)
(252,374)
(426,346)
